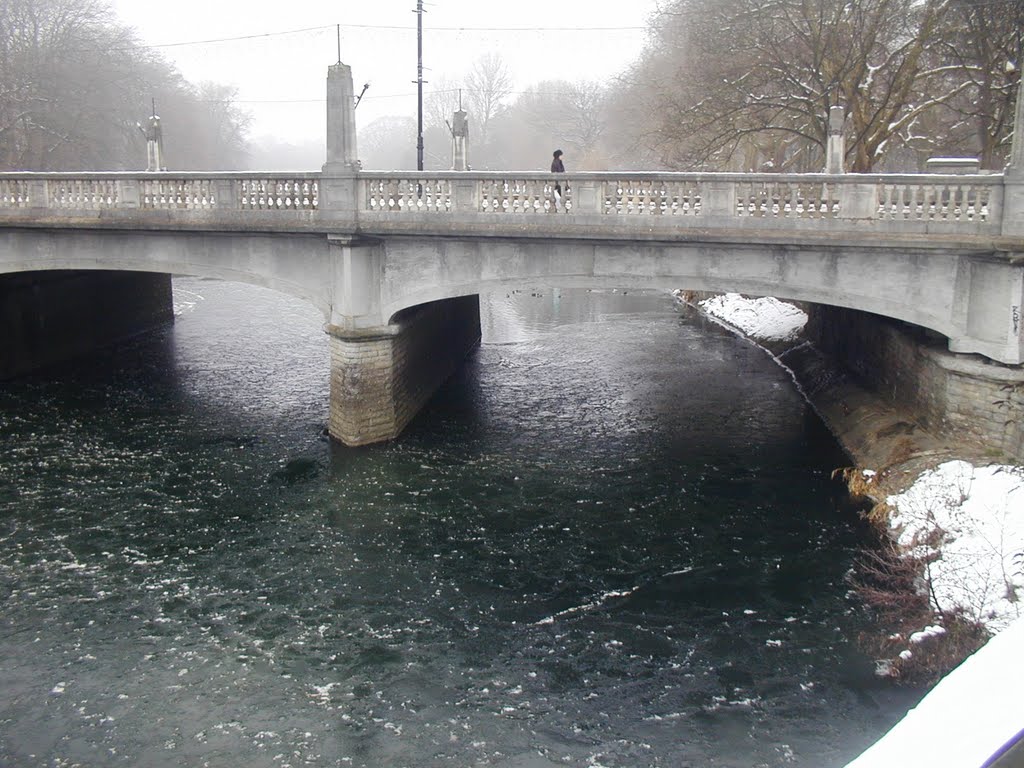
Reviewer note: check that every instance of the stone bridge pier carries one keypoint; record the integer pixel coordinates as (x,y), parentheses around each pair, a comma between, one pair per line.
(383,369)
(383,375)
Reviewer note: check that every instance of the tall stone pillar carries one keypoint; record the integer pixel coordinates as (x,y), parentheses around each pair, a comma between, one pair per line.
(1013,178)
(338,184)
(460,141)
(835,152)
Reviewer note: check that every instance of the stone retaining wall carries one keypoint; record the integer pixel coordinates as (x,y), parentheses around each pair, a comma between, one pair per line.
(954,396)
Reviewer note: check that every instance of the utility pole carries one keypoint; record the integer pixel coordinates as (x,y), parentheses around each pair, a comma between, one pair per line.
(419,84)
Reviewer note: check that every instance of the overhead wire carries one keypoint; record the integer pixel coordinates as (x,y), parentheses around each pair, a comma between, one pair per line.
(459,30)
(517,30)
(378,96)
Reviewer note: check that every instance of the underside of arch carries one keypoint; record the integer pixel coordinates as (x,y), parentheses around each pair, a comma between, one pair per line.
(51,317)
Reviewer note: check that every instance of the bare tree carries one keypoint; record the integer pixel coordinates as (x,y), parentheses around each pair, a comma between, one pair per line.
(979,48)
(488,84)
(388,143)
(441,102)
(553,114)
(74,82)
(203,127)
(481,94)
(745,83)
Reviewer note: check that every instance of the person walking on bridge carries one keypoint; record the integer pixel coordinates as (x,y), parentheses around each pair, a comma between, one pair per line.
(557,167)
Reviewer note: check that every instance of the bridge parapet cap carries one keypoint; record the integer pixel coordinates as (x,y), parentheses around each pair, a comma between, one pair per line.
(836,178)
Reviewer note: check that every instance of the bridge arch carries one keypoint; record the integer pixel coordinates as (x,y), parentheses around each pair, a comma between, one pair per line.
(385,362)
(297,266)
(917,286)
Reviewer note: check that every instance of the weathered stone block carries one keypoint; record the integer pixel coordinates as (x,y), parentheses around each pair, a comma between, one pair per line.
(382,377)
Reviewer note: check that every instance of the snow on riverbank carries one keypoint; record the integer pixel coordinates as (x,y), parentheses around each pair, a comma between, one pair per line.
(969,522)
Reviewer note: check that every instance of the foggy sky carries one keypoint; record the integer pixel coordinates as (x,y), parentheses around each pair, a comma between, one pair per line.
(281,77)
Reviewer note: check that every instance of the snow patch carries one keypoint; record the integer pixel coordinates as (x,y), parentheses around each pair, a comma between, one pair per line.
(766,319)
(969,522)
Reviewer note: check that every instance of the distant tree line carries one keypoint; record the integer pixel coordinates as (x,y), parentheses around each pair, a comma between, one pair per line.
(747,85)
(74,83)
(721,85)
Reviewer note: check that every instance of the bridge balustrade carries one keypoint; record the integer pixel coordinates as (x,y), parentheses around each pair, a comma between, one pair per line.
(160,191)
(83,194)
(398,194)
(958,200)
(170,193)
(898,202)
(940,201)
(278,194)
(14,193)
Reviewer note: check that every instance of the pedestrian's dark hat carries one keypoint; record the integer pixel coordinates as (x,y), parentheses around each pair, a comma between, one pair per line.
(558,152)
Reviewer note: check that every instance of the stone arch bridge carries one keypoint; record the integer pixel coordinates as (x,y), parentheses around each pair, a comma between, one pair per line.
(395,260)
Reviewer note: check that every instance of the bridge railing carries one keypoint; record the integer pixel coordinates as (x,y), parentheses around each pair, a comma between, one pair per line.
(196,191)
(956,199)
(896,202)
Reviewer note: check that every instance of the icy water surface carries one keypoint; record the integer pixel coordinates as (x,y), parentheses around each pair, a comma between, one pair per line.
(610,541)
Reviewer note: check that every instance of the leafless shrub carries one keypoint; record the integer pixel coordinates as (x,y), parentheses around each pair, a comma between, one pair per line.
(893,585)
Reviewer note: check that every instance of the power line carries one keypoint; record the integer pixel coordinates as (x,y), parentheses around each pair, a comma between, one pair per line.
(379,96)
(234,39)
(516,30)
